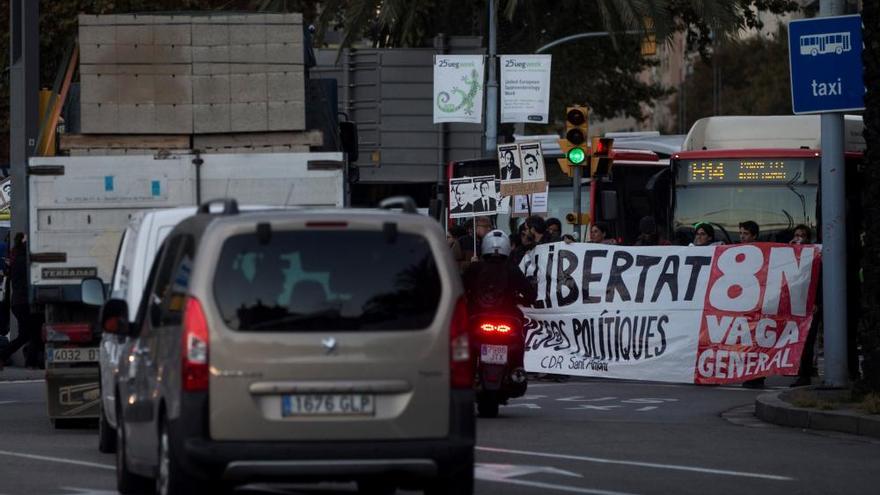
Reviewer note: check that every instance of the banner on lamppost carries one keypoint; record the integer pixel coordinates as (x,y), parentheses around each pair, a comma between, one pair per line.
(525,88)
(458,88)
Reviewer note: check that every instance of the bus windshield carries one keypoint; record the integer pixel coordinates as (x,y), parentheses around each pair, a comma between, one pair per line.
(777,194)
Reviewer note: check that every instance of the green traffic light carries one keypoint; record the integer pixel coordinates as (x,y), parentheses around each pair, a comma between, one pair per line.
(576,156)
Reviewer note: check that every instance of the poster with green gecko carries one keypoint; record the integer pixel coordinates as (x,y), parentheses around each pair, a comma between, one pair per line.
(458,88)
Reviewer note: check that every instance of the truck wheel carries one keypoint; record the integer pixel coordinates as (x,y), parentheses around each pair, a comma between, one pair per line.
(126,481)
(172,478)
(106,435)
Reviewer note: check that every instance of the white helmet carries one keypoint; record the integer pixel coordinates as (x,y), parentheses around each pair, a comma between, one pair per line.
(496,243)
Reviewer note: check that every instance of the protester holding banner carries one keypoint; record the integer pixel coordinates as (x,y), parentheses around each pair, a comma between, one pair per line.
(803,235)
(748,233)
(704,235)
(599,234)
(648,235)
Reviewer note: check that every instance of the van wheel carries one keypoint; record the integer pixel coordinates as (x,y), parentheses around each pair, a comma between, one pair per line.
(458,480)
(106,435)
(172,479)
(126,481)
(487,407)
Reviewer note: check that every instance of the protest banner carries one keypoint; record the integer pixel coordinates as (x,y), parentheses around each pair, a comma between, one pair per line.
(707,315)
(473,196)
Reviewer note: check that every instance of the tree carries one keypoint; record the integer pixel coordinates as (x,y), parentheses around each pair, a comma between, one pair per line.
(869,336)
(600,72)
(764,89)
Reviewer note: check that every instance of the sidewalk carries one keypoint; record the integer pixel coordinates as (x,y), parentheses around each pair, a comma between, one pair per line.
(16,373)
(774,407)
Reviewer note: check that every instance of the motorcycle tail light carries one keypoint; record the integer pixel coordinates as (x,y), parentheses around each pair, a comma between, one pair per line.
(495,327)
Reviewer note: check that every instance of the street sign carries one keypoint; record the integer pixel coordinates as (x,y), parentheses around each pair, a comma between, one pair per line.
(825,57)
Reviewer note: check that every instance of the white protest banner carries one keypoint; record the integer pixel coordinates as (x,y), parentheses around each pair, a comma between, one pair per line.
(458,88)
(525,88)
(707,315)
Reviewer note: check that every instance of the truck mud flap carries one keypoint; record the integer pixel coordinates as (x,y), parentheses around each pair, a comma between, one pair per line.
(73,393)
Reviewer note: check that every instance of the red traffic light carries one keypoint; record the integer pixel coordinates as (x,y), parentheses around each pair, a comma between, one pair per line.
(602,146)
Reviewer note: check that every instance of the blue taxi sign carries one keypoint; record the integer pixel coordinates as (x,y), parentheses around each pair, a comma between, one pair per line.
(825,57)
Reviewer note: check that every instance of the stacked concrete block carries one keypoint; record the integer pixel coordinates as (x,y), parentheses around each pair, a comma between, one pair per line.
(167,74)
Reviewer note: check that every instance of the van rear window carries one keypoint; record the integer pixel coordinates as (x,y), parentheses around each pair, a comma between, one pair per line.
(313,280)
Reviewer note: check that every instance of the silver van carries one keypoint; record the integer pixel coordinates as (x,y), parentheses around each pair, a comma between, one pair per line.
(297,346)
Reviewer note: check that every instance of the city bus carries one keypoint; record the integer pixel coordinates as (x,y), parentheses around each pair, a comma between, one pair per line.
(763,168)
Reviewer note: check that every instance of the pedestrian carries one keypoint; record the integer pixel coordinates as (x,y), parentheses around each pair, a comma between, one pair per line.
(648,235)
(599,234)
(523,244)
(452,236)
(554,229)
(704,235)
(538,229)
(748,233)
(482,227)
(803,235)
(21,308)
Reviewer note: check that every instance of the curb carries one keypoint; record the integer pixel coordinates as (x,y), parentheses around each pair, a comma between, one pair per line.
(772,409)
(15,374)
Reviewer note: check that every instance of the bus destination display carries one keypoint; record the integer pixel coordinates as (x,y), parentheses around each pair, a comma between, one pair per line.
(738,170)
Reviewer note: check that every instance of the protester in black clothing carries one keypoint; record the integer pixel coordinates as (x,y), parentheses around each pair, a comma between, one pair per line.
(538,229)
(803,235)
(522,246)
(748,233)
(27,333)
(554,229)
(648,234)
(494,284)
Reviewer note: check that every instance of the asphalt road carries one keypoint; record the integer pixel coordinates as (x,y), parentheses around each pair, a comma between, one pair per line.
(583,436)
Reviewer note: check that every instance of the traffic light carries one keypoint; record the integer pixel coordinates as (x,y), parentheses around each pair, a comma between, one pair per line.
(574,144)
(600,157)
(573,219)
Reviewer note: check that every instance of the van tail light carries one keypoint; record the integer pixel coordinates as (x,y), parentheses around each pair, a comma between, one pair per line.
(195,347)
(460,362)
(490,327)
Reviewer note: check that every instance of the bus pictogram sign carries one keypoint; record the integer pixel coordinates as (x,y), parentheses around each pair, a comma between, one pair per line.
(825,56)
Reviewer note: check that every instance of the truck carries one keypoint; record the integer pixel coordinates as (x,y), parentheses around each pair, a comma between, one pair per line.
(79,207)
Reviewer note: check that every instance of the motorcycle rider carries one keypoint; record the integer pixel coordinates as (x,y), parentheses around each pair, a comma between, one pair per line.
(494,285)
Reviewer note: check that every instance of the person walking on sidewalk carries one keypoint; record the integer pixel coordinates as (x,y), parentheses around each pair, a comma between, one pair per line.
(21,308)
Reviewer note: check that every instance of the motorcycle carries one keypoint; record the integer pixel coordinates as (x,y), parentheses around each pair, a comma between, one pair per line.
(499,347)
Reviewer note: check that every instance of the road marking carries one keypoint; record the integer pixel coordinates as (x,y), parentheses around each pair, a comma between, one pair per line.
(8,402)
(503,473)
(13,382)
(675,467)
(527,406)
(592,408)
(561,488)
(57,459)
(646,408)
(580,398)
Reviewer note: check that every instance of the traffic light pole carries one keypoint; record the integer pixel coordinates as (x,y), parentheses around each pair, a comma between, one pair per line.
(576,186)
